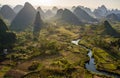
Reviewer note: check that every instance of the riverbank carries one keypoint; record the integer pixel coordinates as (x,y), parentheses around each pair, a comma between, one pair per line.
(97,67)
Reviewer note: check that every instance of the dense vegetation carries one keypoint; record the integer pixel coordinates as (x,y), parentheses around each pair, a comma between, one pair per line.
(41,47)
(7,38)
(53,54)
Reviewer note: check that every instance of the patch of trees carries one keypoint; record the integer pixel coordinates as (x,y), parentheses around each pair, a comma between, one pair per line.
(7,38)
(49,47)
(111,47)
(34,66)
(116,43)
(109,30)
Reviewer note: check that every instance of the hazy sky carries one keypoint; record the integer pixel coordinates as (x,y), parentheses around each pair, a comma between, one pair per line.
(88,3)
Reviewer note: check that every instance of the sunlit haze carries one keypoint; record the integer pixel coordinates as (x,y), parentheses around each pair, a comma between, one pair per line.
(66,3)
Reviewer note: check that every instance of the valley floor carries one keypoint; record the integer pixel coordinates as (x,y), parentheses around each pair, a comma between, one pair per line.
(54,56)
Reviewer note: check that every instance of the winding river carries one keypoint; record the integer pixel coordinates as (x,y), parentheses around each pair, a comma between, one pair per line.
(90,65)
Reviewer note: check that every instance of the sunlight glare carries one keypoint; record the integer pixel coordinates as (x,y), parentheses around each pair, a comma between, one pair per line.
(45,2)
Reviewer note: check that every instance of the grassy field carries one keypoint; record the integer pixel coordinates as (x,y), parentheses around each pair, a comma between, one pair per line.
(54,56)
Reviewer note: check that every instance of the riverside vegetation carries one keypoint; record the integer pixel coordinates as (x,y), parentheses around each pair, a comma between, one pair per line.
(44,49)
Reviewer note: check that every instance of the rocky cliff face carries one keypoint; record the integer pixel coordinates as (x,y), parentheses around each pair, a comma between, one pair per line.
(24,18)
(7,13)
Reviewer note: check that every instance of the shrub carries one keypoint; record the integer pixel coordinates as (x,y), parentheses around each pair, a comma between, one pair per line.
(34,66)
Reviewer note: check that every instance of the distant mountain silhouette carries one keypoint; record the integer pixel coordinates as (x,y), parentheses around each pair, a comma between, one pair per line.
(118,16)
(7,13)
(49,14)
(83,15)
(108,30)
(17,8)
(37,25)
(70,18)
(88,10)
(59,14)
(24,18)
(41,12)
(54,9)
(73,8)
(101,12)
(115,11)
(113,17)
